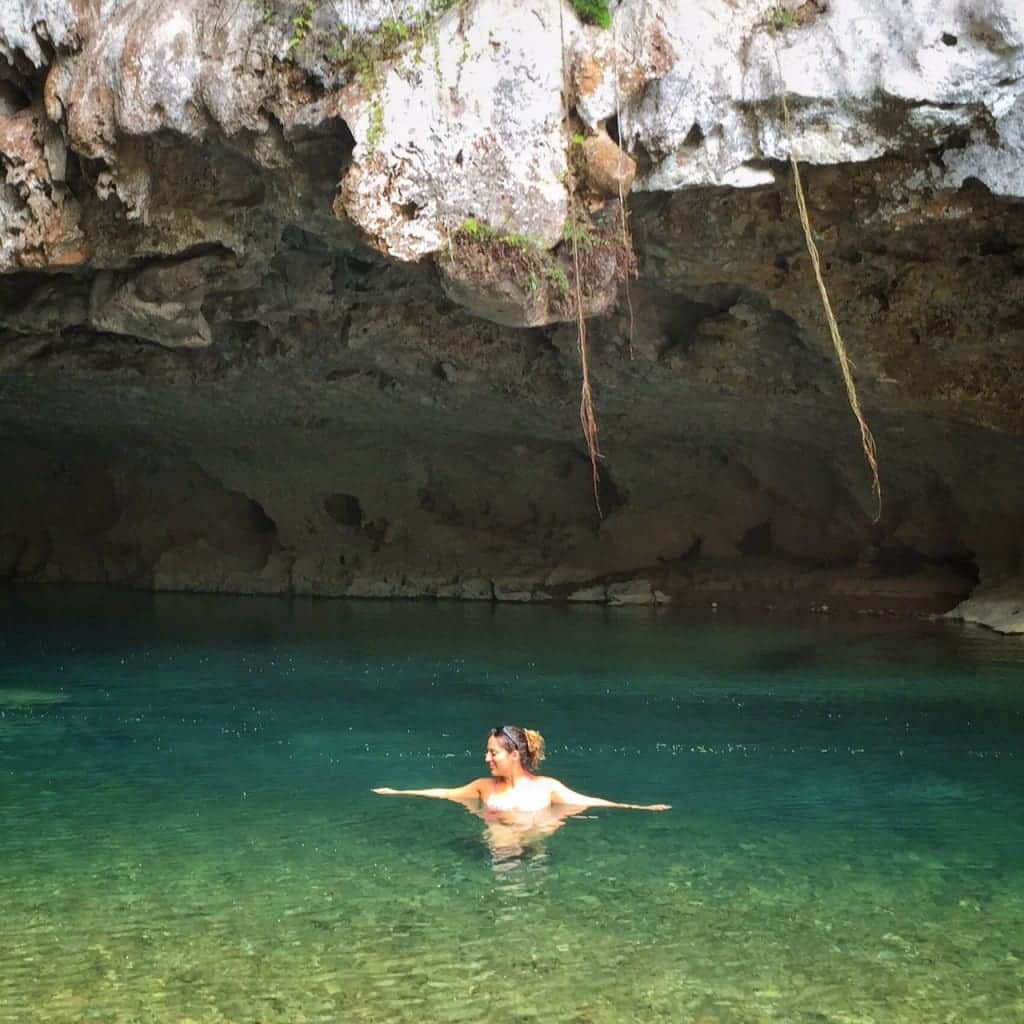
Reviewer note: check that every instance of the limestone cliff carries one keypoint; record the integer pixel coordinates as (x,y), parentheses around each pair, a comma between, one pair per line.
(288,295)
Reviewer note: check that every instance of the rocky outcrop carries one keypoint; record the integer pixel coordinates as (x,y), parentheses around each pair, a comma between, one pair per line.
(999,606)
(38,214)
(318,269)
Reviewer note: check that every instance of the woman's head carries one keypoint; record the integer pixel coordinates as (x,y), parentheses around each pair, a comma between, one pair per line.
(511,740)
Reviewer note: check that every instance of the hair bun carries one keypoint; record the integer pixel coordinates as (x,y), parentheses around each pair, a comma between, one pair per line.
(534,745)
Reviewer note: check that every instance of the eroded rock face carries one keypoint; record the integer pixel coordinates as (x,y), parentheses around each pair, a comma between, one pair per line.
(288,291)
(39,216)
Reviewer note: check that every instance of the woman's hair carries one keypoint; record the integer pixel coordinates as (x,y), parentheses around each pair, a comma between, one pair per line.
(528,742)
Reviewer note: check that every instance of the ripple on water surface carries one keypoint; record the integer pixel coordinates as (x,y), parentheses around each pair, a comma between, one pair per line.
(189,834)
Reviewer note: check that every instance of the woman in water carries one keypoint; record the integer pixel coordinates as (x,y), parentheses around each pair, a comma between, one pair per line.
(513,755)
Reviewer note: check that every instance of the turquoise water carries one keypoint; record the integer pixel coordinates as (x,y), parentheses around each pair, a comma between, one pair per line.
(188,833)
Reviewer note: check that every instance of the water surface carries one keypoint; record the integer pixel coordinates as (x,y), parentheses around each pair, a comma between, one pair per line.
(188,832)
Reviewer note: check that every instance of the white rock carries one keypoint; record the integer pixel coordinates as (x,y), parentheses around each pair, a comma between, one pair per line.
(996,162)
(471,130)
(26,24)
(998,606)
(697,87)
(472,124)
(860,83)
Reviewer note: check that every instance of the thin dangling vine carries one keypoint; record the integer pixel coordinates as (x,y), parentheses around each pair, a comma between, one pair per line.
(866,437)
(588,418)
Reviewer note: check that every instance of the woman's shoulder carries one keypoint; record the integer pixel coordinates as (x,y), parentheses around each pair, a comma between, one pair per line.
(547,781)
(555,788)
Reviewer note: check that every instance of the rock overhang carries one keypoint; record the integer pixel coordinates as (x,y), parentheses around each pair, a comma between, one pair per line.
(162,129)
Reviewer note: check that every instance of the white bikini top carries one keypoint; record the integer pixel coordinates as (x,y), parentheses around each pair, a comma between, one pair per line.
(535,798)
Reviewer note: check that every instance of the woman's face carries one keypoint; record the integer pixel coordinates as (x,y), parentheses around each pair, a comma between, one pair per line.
(498,759)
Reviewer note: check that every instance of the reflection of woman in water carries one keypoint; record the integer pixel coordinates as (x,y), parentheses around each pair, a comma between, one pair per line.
(514,790)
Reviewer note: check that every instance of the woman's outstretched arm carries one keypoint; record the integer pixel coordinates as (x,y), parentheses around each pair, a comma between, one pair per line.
(562,794)
(471,791)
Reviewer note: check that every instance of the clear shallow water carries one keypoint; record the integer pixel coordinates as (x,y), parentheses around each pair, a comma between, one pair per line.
(188,833)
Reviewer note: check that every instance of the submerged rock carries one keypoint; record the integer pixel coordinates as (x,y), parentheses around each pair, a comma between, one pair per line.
(30,698)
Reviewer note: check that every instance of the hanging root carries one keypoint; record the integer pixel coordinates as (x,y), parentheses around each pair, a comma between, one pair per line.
(588,419)
(627,246)
(866,437)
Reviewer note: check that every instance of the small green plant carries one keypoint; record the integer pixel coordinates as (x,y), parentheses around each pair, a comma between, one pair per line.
(780,18)
(528,243)
(593,12)
(557,276)
(522,257)
(475,229)
(375,131)
(266,10)
(302,24)
(578,140)
(393,32)
(367,53)
(578,234)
